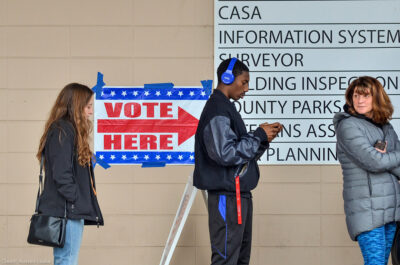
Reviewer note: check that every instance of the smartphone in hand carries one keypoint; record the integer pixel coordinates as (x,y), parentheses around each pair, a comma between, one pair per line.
(381,145)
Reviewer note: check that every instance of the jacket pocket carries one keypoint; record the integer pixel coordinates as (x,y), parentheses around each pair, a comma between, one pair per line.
(369,184)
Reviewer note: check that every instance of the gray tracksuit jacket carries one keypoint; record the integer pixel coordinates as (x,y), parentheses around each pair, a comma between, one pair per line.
(371,190)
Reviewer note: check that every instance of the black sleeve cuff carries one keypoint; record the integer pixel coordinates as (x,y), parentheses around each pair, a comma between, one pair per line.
(260,133)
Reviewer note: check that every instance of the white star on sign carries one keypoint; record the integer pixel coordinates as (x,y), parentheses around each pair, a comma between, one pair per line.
(180,93)
(135,157)
(203,93)
(112,93)
(169,93)
(146,157)
(158,93)
(112,157)
(124,157)
(135,93)
(191,93)
(157,157)
(180,157)
(102,93)
(191,157)
(101,157)
(146,93)
(169,157)
(124,93)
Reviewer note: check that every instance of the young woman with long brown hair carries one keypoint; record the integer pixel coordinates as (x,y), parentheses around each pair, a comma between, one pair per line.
(368,149)
(69,179)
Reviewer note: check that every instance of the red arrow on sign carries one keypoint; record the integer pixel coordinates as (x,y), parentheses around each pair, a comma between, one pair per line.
(185,125)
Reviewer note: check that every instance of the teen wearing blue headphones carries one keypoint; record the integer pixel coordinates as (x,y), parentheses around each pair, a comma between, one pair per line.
(226,165)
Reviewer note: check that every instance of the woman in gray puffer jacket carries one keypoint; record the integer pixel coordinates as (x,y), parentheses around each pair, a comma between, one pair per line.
(371,190)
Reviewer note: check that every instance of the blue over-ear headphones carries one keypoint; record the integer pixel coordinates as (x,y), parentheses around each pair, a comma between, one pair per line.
(227,77)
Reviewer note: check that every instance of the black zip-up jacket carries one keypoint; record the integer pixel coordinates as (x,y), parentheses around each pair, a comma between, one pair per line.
(66,180)
(223,145)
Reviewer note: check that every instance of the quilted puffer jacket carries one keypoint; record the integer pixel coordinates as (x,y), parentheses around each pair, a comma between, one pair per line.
(371,190)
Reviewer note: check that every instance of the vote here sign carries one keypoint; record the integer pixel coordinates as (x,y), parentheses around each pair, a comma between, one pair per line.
(153,123)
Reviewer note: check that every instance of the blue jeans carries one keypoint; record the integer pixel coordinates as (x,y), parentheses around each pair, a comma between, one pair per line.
(68,255)
(376,244)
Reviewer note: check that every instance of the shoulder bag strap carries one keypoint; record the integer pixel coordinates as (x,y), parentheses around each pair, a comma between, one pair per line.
(41,188)
(40,184)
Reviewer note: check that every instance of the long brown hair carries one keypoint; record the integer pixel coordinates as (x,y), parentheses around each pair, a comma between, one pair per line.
(70,105)
(382,108)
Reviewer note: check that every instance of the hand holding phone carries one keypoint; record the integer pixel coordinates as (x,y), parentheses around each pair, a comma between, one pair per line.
(380,146)
(271,129)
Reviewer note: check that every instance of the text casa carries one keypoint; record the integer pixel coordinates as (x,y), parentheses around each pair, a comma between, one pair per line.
(241,13)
